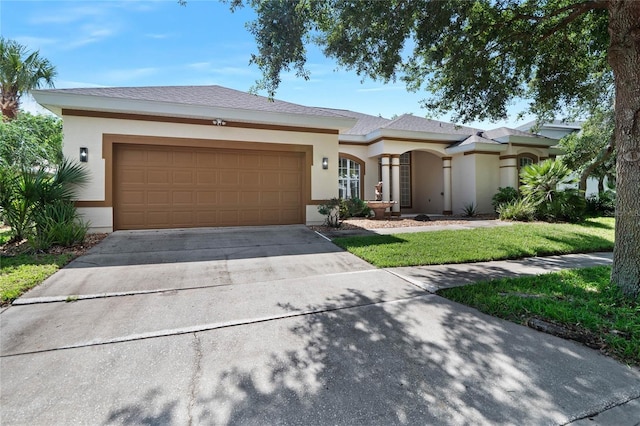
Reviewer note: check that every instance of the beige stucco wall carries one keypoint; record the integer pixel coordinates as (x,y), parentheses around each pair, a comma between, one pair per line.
(427,183)
(463,185)
(487,181)
(88,132)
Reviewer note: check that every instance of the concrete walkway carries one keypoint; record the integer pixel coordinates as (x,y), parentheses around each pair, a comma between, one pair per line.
(278,326)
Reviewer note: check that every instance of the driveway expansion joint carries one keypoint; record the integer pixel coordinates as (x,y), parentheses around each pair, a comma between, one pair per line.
(604,409)
(212,326)
(195,378)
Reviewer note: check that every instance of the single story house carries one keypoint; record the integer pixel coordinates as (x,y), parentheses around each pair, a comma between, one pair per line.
(194,156)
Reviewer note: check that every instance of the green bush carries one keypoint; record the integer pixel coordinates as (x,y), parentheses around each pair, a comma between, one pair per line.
(542,185)
(470,210)
(603,204)
(57,223)
(27,196)
(354,207)
(519,209)
(331,211)
(504,195)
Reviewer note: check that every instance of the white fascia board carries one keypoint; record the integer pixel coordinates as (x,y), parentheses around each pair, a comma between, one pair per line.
(409,134)
(476,146)
(56,101)
(542,142)
(353,138)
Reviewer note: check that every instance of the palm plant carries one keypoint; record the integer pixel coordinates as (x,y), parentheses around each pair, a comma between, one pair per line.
(26,196)
(548,187)
(20,72)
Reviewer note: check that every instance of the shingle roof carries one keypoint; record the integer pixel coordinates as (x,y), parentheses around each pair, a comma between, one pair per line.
(477,138)
(366,123)
(505,131)
(210,96)
(420,124)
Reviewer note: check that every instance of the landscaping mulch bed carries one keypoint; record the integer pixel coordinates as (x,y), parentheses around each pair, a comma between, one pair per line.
(23,247)
(355,224)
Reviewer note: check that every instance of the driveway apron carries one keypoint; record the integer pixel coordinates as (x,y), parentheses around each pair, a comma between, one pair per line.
(276,325)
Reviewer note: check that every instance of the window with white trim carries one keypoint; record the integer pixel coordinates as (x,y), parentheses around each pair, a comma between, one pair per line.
(405,180)
(348,178)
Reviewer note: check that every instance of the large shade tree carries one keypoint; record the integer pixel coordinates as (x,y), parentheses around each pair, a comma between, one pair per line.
(474,58)
(20,71)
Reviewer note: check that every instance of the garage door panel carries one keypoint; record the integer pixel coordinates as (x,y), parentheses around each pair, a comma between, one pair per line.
(228,161)
(182,198)
(290,180)
(290,163)
(206,177)
(134,198)
(167,186)
(290,198)
(183,159)
(207,198)
(158,198)
(225,198)
(183,177)
(250,161)
(158,158)
(250,179)
(133,177)
(229,177)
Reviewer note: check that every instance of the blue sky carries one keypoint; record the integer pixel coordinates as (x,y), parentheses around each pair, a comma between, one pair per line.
(151,43)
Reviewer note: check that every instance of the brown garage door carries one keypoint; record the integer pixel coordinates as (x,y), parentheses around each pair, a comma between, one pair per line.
(173,187)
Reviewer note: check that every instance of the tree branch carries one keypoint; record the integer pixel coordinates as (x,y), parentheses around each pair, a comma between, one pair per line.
(602,156)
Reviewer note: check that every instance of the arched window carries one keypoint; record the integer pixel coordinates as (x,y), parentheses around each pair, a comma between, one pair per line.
(350,176)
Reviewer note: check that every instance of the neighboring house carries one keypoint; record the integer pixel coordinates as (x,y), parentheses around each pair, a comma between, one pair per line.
(165,157)
(558,129)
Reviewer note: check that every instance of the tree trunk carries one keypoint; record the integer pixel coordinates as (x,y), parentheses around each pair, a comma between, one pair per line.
(600,184)
(602,156)
(624,58)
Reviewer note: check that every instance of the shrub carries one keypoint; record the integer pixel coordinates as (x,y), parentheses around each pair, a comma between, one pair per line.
(57,223)
(504,195)
(331,211)
(519,209)
(603,204)
(354,207)
(541,185)
(470,210)
(27,196)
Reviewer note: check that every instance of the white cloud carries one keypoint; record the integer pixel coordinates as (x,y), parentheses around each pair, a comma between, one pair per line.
(67,15)
(35,43)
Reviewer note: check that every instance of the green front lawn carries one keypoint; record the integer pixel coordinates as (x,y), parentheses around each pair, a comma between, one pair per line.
(23,272)
(482,244)
(581,300)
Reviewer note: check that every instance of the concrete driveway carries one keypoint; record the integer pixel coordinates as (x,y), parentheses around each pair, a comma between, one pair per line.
(276,325)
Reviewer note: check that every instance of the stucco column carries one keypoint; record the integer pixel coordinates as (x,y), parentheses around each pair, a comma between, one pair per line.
(446,172)
(509,171)
(395,184)
(386,178)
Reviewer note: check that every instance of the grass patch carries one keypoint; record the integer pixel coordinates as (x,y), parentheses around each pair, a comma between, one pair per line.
(21,273)
(482,244)
(5,235)
(582,300)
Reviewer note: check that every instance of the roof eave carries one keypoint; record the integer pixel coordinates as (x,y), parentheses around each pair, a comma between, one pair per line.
(56,102)
(412,134)
(476,146)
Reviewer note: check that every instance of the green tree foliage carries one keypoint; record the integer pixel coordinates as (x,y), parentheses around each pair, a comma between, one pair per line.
(475,57)
(30,141)
(590,152)
(20,72)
